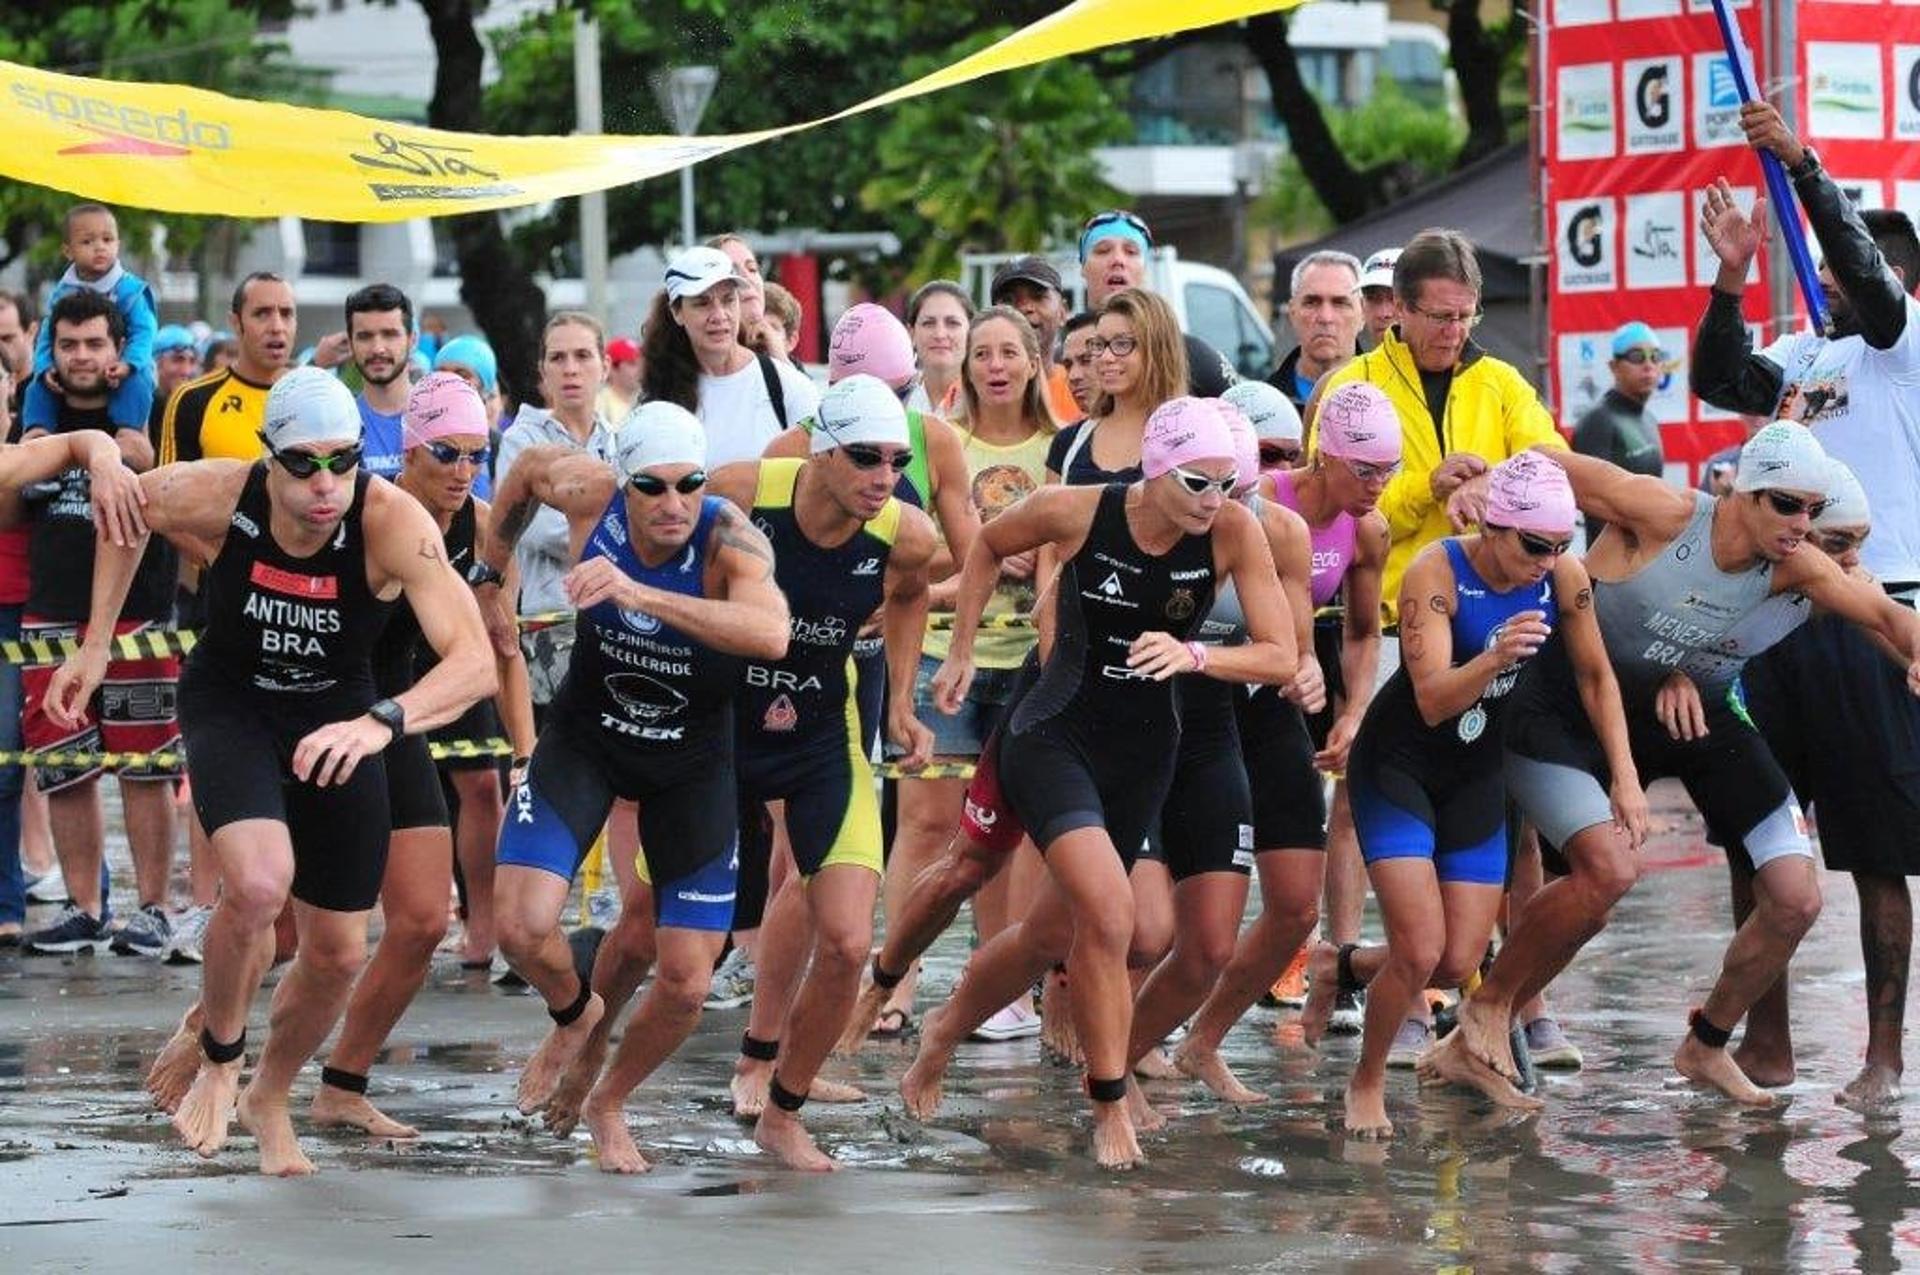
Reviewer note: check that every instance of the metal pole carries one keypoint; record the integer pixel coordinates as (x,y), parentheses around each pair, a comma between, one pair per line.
(593,206)
(686,206)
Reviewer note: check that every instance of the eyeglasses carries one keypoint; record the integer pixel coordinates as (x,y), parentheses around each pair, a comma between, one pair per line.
(1449,318)
(1368,472)
(1278,454)
(1200,484)
(1540,547)
(1839,542)
(1640,356)
(1121,216)
(654,485)
(448,454)
(866,456)
(1791,506)
(1119,346)
(306,464)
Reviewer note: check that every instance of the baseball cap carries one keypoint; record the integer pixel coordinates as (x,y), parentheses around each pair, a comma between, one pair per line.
(1027,269)
(694,272)
(623,349)
(1784,456)
(1378,270)
(173,337)
(1633,336)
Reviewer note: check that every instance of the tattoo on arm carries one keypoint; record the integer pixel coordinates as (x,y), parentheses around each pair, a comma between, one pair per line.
(735,532)
(1583,599)
(513,520)
(1437,604)
(429,550)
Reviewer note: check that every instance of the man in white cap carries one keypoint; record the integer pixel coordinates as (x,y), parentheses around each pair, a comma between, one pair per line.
(307,555)
(844,546)
(1378,307)
(1679,589)
(672,589)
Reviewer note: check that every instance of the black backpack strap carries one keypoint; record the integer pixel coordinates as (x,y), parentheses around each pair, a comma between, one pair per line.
(776,392)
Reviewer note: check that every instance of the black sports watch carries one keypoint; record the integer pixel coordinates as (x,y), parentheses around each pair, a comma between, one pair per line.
(390,715)
(1809,164)
(480,573)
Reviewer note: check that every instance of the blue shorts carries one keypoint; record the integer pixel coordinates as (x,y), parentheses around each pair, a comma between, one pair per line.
(963,734)
(1461,826)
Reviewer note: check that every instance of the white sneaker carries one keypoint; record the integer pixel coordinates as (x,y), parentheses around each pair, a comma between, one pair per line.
(51,888)
(732,982)
(1409,1043)
(1015,1022)
(188,938)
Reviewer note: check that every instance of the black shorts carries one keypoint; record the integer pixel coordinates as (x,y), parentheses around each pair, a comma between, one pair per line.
(1329,642)
(870,689)
(1060,777)
(832,811)
(480,723)
(1289,796)
(1206,823)
(240,764)
(414,799)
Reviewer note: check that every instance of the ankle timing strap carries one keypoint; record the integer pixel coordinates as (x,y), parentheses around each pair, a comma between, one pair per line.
(1348,983)
(1106,1090)
(884,981)
(571,1014)
(217,1052)
(757,1049)
(1705,1032)
(783,1097)
(348,1081)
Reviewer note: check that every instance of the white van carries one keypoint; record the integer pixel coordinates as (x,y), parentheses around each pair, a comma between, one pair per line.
(1209,302)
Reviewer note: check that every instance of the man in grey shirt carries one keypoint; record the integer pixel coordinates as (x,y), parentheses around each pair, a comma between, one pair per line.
(1619,428)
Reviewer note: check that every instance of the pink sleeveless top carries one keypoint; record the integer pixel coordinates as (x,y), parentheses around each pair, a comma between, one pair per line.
(1333,544)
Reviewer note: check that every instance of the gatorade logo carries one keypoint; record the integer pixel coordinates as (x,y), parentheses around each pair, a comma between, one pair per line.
(1651,100)
(1583,236)
(123,129)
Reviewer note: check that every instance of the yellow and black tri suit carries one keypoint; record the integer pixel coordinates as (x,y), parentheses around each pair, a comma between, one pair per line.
(796,727)
(215,417)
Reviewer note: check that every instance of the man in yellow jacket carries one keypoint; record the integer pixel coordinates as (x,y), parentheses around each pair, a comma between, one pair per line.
(1462,411)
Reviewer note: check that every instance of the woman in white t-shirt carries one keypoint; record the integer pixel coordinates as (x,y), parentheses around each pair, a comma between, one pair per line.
(938,316)
(694,358)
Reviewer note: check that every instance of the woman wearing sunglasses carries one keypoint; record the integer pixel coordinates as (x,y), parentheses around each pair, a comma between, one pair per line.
(444,436)
(1425,775)
(1359,448)
(1680,575)
(1088,753)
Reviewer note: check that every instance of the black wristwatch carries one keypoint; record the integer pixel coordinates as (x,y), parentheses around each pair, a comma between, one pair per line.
(390,715)
(1809,164)
(480,573)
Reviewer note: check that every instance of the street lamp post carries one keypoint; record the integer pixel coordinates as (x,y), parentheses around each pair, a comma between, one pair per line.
(683,93)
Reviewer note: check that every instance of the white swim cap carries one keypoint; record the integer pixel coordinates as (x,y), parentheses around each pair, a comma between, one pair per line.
(309,405)
(659,433)
(859,409)
(1784,456)
(1846,499)
(1271,413)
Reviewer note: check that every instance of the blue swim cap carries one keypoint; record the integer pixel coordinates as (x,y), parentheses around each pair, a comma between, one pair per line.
(1632,336)
(173,337)
(473,352)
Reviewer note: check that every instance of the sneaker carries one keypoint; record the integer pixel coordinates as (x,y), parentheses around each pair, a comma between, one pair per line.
(732,982)
(1290,991)
(145,933)
(603,909)
(1349,1014)
(1015,1022)
(50,888)
(1409,1043)
(1550,1047)
(189,936)
(71,931)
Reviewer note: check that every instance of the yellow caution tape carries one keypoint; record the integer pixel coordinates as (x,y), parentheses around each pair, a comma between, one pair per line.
(173,759)
(150,644)
(938,770)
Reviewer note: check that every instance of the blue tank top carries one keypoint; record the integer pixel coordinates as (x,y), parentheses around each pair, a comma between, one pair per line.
(647,685)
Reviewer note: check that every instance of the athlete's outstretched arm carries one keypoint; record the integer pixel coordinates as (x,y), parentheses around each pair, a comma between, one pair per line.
(904,625)
(1441,690)
(1647,507)
(117,493)
(952,491)
(1600,693)
(579,485)
(1857,600)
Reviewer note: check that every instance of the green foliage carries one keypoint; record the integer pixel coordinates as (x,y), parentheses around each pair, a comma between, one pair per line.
(1389,130)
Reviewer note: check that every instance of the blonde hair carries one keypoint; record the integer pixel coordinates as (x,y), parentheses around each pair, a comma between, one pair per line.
(1033,399)
(1163,349)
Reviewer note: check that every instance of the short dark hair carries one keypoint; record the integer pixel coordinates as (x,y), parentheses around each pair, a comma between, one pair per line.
(83,305)
(22,305)
(378,298)
(1893,234)
(1435,254)
(1084,319)
(240,289)
(78,211)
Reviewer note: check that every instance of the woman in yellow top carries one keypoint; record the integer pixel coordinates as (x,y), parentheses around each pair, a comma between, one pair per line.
(1006,427)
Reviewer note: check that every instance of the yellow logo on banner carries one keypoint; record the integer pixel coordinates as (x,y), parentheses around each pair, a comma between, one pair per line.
(180,149)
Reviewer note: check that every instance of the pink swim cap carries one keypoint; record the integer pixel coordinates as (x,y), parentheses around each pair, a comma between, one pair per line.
(441,405)
(1246,446)
(1184,430)
(1528,492)
(870,339)
(1357,422)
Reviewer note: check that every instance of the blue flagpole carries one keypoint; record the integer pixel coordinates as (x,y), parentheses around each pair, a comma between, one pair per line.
(1779,188)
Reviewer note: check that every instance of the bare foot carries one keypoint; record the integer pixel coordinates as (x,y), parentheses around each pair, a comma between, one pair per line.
(1141,1113)
(267,1120)
(1197,1062)
(1367,1112)
(1057,1034)
(1323,987)
(1876,1088)
(1114,1143)
(1155,1065)
(1766,1068)
(173,1071)
(1449,1062)
(866,1011)
(920,1086)
(336,1108)
(781,1135)
(824,1090)
(1716,1069)
(751,1080)
(562,1111)
(612,1143)
(207,1108)
(1486,1032)
(555,1055)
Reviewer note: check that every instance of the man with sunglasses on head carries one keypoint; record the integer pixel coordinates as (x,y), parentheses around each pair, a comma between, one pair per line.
(1113,256)
(673,589)
(305,556)
(1675,585)
(1620,428)
(845,546)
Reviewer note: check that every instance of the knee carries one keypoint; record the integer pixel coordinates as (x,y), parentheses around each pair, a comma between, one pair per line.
(1207,953)
(336,958)
(1454,969)
(1609,874)
(1418,957)
(255,891)
(418,929)
(1793,911)
(843,947)
(1293,916)
(518,932)
(683,985)
(1112,929)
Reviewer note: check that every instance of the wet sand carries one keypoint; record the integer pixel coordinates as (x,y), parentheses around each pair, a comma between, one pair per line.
(1625,1170)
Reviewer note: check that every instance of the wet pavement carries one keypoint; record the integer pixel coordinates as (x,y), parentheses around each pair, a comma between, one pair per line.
(1624,1170)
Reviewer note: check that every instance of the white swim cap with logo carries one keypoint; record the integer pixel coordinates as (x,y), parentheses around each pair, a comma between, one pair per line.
(860,409)
(309,405)
(1784,456)
(659,433)
(1271,413)
(1846,500)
